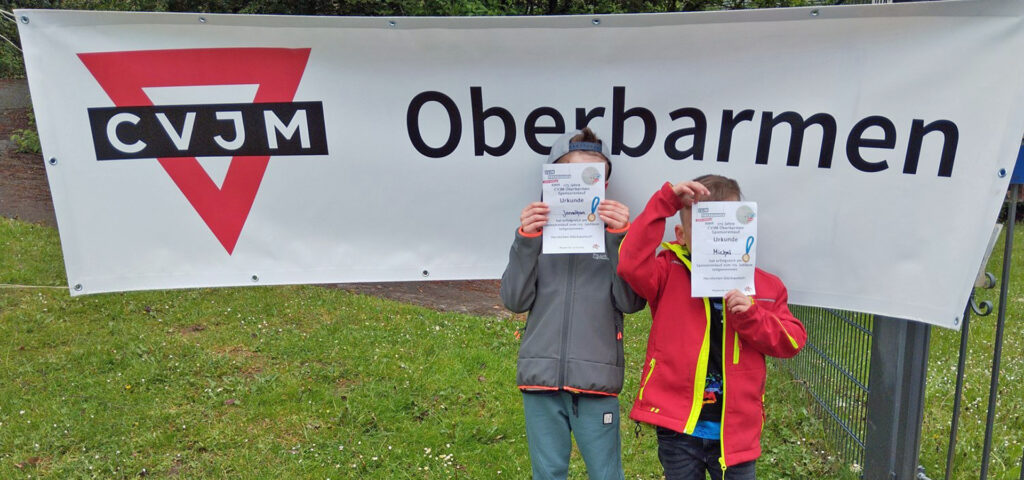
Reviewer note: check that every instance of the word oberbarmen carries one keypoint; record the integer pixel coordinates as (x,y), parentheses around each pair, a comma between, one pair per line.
(872,132)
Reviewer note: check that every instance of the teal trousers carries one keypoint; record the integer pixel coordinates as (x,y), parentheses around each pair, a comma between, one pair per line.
(553,418)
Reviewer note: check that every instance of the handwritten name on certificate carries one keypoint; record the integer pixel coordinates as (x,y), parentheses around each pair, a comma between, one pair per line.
(572,192)
(724,248)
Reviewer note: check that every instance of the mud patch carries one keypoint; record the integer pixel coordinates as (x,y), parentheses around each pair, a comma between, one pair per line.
(473,297)
(24,191)
(192,329)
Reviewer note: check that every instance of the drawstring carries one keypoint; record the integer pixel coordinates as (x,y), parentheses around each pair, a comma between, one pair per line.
(575,405)
(636,431)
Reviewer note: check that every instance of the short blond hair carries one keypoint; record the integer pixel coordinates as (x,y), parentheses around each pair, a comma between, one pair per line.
(721,188)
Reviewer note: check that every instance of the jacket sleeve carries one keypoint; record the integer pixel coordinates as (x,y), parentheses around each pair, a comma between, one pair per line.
(638,263)
(519,282)
(624,298)
(770,328)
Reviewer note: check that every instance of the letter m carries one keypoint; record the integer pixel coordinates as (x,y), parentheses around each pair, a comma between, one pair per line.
(275,125)
(797,126)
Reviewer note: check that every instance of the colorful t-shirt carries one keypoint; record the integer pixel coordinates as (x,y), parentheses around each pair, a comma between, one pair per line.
(709,423)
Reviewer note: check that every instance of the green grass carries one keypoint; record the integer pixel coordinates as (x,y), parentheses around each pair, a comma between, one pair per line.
(1008,434)
(285,382)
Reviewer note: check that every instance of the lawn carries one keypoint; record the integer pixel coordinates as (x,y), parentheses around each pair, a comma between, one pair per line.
(286,382)
(1008,435)
(850,349)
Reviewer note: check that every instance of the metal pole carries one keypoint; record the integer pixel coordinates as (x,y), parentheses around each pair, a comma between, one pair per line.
(1011,220)
(955,424)
(896,385)
(1022,467)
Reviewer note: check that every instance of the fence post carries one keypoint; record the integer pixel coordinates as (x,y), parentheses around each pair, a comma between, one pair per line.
(899,368)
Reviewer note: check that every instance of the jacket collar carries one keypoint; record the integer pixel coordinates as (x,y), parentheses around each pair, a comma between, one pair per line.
(681,251)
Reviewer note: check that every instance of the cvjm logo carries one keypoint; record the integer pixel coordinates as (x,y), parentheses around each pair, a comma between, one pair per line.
(176,134)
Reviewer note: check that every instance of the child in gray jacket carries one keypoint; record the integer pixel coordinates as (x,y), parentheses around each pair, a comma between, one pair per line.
(571,362)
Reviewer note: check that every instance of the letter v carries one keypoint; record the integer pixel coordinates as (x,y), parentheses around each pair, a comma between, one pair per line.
(182,140)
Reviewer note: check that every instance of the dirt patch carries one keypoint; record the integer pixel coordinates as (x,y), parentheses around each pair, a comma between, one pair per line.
(193,329)
(235,351)
(251,370)
(176,467)
(474,297)
(24,192)
(14,93)
(32,462)
(343,384)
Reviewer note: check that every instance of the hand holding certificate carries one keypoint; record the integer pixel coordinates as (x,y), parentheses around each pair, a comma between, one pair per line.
(724,247)
(573,192)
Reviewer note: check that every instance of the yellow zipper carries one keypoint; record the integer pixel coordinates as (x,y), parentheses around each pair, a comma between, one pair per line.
(736,358)
(735,348)
(700,376)
(650,371)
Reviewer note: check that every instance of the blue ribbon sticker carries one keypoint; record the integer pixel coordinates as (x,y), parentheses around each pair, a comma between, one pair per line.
(750,243)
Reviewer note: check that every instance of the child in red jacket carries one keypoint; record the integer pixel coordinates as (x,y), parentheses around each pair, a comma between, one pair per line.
(703,379)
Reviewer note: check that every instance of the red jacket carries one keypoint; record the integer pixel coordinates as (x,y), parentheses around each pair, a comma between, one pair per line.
(672,388)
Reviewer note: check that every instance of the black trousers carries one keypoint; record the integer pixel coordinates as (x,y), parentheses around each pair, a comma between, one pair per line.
(686,457)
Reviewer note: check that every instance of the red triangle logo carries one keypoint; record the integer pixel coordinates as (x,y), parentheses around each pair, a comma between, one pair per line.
(277,72)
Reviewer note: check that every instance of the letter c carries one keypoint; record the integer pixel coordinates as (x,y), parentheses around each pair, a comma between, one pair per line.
(115,122)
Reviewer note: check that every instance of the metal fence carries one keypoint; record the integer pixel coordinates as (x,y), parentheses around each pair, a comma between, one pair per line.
(867,376)
(834,367)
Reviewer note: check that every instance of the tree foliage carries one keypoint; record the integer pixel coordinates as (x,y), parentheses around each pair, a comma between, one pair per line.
(11,61)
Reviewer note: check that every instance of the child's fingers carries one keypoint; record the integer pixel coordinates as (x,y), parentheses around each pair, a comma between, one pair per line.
(615,217)
(533,207)
(532,212)
(613,207)
(699,188)
(613,222)
(535,226)
(690,192)
(736,301)
(538,217)
(733,298)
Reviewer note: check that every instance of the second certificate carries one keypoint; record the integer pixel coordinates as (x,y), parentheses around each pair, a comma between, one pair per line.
(573,191)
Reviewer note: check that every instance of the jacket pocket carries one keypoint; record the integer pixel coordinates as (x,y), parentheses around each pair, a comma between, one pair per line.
(620,351)
(735,348)
(650,371)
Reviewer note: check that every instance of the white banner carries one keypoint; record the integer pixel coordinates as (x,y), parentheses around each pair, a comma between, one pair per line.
(385,149)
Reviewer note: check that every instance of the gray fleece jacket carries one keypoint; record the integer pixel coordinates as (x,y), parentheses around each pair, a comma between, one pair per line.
(573,338)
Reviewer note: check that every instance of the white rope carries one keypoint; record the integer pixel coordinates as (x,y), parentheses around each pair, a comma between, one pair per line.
(11,285)
(16,47)
(9,16)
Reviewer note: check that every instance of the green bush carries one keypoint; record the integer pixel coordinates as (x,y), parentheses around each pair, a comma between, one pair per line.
(27,139)
(11,65)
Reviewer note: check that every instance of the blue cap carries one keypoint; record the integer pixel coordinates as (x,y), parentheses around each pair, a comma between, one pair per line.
(564,145)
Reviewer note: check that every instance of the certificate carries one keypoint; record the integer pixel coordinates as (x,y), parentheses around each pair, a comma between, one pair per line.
(724,237)
(573,192)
